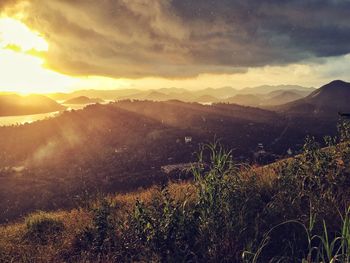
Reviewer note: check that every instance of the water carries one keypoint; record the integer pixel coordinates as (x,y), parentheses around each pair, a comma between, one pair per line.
(22,119)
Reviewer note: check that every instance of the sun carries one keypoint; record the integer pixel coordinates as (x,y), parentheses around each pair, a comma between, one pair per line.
(13,32)
(22,60)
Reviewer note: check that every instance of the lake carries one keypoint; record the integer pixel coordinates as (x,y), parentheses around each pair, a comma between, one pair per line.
(22,119)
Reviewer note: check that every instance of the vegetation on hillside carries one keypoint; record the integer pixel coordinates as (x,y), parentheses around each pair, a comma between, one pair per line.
(293,211)
(121,146)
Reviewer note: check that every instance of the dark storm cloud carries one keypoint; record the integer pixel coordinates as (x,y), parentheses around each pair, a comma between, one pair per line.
(181,38)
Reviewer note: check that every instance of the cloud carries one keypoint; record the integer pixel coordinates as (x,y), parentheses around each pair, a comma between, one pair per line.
(178,38)
(4,3)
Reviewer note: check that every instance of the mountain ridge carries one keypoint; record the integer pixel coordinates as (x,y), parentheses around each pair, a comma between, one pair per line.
(328,99)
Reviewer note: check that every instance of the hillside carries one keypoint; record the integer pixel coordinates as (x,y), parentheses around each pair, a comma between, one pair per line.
(227,213)
(11,105)
(83,100)
(122,146)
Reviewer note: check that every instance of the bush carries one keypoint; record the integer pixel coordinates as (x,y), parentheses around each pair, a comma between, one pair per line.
(43,228)
(99,240)
(166,229)
(216,226)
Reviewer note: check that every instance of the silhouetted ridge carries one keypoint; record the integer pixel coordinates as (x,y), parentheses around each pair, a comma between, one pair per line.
(325,101)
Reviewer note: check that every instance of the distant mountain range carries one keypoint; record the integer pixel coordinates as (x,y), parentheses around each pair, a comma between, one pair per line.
(276,97)
(289,99)
(265,89)
(12,105)
(256,96)
(102,94)
(83,100)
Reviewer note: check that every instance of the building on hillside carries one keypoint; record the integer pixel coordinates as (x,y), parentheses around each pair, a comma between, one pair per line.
(188,139)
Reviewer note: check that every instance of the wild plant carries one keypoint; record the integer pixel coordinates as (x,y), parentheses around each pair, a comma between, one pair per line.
(42,228)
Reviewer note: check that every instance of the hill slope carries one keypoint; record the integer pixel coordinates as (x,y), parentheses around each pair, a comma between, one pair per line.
(262,212)
(118,146)
(326,101)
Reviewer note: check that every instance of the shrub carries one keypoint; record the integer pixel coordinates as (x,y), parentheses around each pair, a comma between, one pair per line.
(215,226)
(42,227)
(98,240)
(166,229)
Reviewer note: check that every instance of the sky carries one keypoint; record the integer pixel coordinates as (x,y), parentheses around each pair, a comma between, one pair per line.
(64,45)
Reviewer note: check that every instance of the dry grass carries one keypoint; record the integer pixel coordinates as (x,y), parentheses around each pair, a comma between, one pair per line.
(14,248)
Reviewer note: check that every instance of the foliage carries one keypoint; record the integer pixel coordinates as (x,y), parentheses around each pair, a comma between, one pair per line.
(98,240)
(42,228)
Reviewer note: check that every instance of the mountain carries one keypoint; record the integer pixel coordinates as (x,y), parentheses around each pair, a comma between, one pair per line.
(172,90)
(221,93)
(282,98)
(83,100)
(182,94)
(300,92)
(244,99)
(326,101)
(272,98)
(12,105)
(102,94)
(265,89)
(171,94)
(156,96)
(206,99)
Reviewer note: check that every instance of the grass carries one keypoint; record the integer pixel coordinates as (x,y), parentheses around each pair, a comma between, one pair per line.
(295,210)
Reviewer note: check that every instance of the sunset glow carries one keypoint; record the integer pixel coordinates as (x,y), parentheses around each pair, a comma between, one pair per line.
(22,60)
(52,46)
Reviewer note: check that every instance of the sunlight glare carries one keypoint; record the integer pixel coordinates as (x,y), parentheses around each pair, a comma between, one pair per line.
(13,32)
(22,70)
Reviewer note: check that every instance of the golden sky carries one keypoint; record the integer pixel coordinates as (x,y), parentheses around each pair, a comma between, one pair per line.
(60,46)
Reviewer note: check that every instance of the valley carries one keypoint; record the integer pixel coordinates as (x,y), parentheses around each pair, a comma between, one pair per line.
(123,145)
